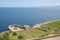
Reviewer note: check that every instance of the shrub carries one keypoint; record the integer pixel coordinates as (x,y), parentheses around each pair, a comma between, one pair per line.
(14,33)
(6,37)
(20,37)
(7,33)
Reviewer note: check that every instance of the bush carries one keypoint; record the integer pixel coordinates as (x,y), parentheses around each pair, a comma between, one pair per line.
(14,33)
(6,37)
(7,33)
(20,37)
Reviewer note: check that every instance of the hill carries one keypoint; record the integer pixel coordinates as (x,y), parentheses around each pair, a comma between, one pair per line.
(49,28)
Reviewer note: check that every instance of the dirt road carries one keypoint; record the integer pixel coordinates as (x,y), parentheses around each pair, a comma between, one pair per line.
(55,38)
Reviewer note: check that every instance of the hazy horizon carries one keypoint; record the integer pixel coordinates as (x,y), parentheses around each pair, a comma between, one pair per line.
(29,3)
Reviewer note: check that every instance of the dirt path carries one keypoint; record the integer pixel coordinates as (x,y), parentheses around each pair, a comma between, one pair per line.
(55,38)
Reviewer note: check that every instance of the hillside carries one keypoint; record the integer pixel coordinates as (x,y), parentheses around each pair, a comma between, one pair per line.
(50,28)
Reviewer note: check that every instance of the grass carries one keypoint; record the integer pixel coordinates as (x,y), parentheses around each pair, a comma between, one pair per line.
(26,34)
(52,27)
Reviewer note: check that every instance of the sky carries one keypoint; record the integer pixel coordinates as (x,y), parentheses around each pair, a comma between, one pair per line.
(29,3)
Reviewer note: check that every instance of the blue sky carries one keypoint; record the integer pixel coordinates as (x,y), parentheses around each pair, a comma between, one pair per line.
(29,3)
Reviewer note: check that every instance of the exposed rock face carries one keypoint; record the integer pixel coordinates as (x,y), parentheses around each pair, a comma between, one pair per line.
(27,27)
(37,26)
(15,28)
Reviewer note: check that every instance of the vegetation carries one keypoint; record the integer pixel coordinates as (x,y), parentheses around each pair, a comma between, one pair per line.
(50,28)
(20,37)
(14,33)
(53,27)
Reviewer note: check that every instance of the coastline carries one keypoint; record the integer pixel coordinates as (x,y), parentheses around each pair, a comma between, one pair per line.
(48,22)
(42,38)
(35,24)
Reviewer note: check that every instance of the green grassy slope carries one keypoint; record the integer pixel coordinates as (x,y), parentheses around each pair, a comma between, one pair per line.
(52,27)
(25,34)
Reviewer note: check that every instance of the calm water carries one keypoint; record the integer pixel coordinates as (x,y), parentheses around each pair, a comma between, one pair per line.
(28,16)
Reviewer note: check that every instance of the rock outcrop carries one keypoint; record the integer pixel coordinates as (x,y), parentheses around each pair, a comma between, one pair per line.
(27,27)
(37,26)
(15,27)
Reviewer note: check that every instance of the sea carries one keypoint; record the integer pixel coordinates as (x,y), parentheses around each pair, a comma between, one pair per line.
(26,16)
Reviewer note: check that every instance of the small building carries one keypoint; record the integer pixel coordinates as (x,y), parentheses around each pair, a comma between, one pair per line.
(15,27)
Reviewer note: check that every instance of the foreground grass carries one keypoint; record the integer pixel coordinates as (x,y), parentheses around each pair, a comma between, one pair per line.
(50,28)
(25,34)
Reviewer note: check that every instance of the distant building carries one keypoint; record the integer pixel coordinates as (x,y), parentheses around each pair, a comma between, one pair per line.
(15,27)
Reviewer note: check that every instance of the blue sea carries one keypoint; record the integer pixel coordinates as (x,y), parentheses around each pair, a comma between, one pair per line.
(30,16)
